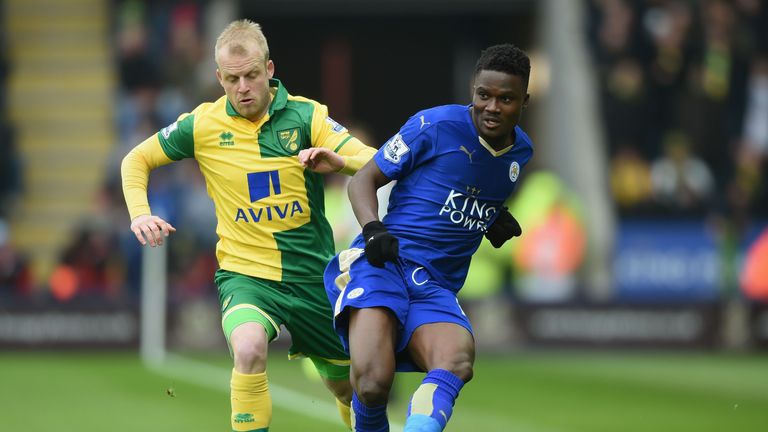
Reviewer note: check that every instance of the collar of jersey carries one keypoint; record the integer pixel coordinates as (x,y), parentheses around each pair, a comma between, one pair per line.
(278,102)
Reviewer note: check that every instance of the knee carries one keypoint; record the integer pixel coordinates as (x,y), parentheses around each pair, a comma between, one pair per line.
(459,364)
(250,357)
(341,389)
(373,389)
(463,369)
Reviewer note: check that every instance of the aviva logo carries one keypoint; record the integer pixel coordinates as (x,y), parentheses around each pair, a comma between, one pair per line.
(260,183)
(260,186)
(227,139)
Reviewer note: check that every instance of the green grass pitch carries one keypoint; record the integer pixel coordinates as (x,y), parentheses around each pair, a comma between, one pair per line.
(526,392)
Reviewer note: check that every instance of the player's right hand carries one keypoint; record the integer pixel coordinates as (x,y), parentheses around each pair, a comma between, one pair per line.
(503,228)
(152,229)
(321,160)
(380,245)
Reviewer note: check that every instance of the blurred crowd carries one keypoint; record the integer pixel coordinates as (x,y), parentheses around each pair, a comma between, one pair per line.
(15,277)
(684,91)
(159,48)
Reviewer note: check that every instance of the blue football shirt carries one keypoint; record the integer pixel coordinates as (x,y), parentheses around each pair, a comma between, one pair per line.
(450,186)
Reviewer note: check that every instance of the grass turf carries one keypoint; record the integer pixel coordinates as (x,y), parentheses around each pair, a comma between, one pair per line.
(528,392)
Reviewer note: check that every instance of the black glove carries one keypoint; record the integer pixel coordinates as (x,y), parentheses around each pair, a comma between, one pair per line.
(503,228)
(380,245)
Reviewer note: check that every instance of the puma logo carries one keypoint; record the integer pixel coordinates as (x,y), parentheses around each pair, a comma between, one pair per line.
(423,122)
(464,149)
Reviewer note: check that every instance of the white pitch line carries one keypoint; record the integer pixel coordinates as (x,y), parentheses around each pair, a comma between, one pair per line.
(216,378)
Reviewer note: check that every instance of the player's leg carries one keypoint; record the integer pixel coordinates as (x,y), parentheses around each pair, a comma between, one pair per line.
(249,347)
(336,379)
(438,338)
(341,389)
(367,316)
(311,327)
(249,389)
(250,320)
(372,338)
(447,352)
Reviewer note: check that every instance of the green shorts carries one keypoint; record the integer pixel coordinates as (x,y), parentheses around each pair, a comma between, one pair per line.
(302,308)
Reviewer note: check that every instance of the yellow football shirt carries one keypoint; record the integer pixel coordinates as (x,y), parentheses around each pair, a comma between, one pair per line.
(270,210)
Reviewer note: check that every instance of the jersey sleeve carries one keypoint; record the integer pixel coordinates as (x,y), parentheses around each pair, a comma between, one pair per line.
(178,138)
(329,134)
(135,170)
(409,148)
(527,145)
(172,143)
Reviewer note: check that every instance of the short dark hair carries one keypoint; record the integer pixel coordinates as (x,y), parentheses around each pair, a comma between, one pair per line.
(505,58)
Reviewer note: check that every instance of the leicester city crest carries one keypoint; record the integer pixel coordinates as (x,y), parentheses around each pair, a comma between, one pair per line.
(514,171)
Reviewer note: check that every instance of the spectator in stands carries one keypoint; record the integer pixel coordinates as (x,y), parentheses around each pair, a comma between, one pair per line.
(15,274)
(630,177)
(683,66)
(681,181)
(10,170)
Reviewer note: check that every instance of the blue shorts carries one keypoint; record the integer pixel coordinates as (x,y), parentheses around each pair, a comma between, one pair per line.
(405,288)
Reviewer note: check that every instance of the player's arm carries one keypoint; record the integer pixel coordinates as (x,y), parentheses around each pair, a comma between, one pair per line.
(362,192)
(135,170)
(172,143)
(333,149)
(355,155)
(380,245)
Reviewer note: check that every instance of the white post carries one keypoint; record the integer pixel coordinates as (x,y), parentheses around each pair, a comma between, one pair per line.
(574,143)
(153,299)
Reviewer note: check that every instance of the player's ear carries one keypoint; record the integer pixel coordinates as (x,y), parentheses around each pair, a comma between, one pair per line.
(270,68)
(525,101)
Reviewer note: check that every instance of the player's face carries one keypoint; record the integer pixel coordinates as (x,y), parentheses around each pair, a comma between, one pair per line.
(245,78)
(498,100)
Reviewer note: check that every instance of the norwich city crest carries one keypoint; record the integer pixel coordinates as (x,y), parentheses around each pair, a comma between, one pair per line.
(289,139)
(226,303)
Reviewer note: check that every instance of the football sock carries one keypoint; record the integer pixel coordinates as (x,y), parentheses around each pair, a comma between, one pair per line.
(345,413)
(432,403)
(368,419)
(251,402)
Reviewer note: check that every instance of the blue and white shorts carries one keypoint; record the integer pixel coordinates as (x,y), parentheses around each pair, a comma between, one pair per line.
(405,288)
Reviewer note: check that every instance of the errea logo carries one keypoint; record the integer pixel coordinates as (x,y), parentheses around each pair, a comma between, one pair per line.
(226,139)
(243,418)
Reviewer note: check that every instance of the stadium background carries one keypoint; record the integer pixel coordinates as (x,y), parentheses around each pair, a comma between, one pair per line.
(635,300)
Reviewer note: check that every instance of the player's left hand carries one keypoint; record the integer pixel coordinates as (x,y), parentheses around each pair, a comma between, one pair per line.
(503,228)
(380,245)
(321,160)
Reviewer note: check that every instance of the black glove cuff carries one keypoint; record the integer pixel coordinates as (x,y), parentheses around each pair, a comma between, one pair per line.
(372,228)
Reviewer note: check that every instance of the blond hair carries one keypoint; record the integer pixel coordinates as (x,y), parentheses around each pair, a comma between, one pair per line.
(236,37)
